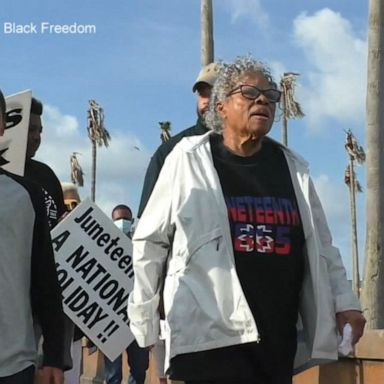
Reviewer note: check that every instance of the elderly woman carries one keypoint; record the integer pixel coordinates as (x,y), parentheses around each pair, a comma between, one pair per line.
(236,234)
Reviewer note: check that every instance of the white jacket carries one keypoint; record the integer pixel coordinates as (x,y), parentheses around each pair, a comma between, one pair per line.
(184,238)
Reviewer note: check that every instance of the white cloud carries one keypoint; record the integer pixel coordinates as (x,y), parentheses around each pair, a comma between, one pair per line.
(120,167)
(277,69)
(63,125)
(251,9)
(336,204)
(336,80)
(334,198)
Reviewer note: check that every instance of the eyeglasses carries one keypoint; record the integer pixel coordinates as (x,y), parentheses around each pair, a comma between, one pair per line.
(251,92)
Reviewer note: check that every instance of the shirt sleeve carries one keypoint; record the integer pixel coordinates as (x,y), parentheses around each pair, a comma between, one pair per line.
(151,244)
(46,295)
(151,176)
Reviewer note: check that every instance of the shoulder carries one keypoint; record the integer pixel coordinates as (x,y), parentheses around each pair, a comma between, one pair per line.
(33,189)
(289,153)
(192,144)
(23,181)
(41,173)
(167,147)
(38,165)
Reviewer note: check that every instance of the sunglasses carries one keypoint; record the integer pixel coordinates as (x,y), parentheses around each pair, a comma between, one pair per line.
(251,92)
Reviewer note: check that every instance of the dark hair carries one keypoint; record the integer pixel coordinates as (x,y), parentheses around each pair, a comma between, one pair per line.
(3,107)
(122,206)
(36,107)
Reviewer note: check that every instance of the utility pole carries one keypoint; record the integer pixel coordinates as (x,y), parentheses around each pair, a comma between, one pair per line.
(355,153)
(207,51)
(373,290)
(355,252)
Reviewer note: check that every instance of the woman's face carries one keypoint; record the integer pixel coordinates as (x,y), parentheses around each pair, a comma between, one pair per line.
(245,117)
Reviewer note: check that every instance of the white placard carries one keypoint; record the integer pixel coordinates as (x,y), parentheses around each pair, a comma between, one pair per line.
(94,266)
(13,144)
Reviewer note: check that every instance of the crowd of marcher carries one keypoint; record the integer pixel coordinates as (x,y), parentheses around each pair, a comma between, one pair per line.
(236,279)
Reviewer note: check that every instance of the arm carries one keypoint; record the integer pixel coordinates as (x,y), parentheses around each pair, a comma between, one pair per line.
(151,176)
(59,198)
(45,291)
(347,306)
(151,244)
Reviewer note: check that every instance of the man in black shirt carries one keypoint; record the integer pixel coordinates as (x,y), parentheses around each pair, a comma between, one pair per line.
(203,86)
(41,173)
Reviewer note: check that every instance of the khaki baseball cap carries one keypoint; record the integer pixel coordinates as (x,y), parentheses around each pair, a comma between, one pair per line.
(208,75)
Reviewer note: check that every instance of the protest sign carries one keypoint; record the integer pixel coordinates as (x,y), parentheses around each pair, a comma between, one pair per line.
(13,144)
(94,266)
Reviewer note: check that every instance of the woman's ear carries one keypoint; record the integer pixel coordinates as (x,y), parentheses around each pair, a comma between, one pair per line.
(220,109)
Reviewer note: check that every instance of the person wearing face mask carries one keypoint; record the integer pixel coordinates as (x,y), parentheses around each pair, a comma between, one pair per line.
(122,218)
(138,358)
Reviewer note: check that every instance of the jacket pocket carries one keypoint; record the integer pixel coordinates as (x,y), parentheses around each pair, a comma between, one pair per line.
(182,257)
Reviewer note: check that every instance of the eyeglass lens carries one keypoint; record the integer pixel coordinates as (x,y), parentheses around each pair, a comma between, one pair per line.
(253,93)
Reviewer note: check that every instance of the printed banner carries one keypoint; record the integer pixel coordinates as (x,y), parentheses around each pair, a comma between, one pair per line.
(94,266)
(13,144)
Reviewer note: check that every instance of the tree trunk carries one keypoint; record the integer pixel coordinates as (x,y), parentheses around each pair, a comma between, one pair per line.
(93,188)
(207,55)
(373,291)
(355,252)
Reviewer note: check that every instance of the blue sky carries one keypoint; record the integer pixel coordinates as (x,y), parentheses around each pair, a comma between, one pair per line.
(143,59)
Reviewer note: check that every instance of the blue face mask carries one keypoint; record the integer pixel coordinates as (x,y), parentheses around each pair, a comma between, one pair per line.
(124,225)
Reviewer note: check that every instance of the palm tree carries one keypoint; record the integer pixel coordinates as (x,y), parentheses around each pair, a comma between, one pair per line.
(77,174)
(373,290)
(98,135)
(165,127)
(355,153)
(290,107)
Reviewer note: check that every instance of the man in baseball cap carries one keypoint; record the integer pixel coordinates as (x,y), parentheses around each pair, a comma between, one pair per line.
(202,87)
(207,75)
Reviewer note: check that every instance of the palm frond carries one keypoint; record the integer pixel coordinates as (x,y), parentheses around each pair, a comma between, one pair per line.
(292,108)
(96,129)
(347,179)
(165,127)
(355,151)
(77,174)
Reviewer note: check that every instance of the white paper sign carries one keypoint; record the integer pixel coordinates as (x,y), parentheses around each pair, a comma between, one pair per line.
(13,144)
(94,266)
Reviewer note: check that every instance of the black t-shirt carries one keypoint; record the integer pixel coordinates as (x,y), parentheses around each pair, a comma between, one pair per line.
(43,175)
(267,239)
